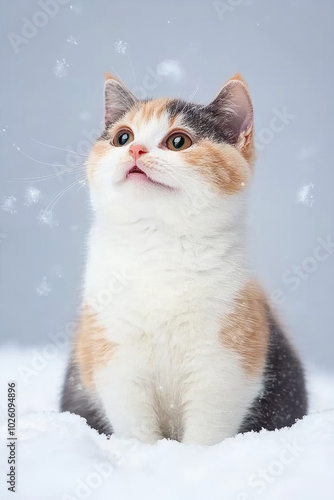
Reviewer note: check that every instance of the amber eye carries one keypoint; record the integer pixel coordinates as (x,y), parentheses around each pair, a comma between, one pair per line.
(123,136)
(178,141)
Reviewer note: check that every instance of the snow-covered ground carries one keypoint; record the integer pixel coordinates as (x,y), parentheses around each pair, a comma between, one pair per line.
(60,457)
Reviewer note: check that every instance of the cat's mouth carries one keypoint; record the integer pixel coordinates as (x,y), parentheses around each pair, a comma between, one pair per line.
(135,170)
(137,173)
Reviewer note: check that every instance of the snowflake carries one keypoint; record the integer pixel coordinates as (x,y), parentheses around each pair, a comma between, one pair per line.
(76,7)
(171,69)
(72,40)
(8,205)
(43,288)
(305,196)
(85,116)
(60,69)
(120,47)
(32,195)
(46,217)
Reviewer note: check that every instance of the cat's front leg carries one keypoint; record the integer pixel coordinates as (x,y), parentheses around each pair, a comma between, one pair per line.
(128,404)
(216,407)
(209,424)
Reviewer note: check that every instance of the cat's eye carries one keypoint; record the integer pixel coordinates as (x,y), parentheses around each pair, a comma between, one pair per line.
(123,137)
(178,141)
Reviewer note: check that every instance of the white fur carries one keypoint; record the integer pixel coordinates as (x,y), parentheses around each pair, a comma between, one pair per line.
(163,270)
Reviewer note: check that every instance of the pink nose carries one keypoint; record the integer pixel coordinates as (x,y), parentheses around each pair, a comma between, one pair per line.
(137,150)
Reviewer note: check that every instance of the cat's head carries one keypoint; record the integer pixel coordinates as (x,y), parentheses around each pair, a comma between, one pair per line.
(164,155)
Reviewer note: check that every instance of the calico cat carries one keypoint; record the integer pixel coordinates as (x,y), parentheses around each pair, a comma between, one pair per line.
(176,338)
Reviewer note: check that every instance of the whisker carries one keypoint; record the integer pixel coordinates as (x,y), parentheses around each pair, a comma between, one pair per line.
(46,177)
(185,176)
(82,184)
(51,205)
(166,169)
(61,149)
(45,163)
(194,92)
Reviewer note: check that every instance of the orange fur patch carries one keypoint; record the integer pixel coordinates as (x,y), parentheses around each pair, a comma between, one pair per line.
(109,76)
(220,165)
(247,149)
(100,149)
(238,76)
(155,108)
(246,330)
(91,347)
(130,116)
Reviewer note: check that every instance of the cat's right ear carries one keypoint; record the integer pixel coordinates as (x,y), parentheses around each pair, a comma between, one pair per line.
(117,99)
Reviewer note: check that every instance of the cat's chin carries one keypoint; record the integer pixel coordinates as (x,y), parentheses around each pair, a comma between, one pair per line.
(140,180)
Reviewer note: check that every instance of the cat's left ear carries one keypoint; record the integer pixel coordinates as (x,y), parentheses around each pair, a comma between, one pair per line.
(118,99)
(234,110)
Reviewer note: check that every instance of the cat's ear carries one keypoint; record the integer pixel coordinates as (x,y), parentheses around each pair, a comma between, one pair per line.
(117,99)
(234,110)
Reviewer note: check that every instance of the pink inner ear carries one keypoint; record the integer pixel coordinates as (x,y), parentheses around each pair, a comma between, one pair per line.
(233,104)
(118,99)
(240,98)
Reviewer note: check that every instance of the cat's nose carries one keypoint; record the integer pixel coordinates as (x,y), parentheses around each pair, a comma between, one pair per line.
(137,150)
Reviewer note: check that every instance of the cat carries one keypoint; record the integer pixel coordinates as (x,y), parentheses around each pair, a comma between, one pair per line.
(176,337)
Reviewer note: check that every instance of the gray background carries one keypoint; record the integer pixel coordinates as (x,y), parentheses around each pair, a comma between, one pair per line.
(283,49)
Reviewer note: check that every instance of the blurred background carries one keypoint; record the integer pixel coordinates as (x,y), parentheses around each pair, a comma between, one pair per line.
(54,55)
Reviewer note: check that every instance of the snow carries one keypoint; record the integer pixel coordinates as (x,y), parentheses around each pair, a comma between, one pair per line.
(76,7)
(85,116)
(46,217)
(43,288)
(32,195)
(60,457)
(72,40)
(305,195)
(120,47)
(57,271)
(8,205)
(306,152)
(61,68)
(171,69)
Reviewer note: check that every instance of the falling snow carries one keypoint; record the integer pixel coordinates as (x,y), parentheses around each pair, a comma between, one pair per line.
(72,40)
(43,288)
(76,7)
(32,195)
(305,195)
(61,68)
(170,69)
(120,47)
(56,271)
(46,217)
(85,116)
(8,205)
(306,153)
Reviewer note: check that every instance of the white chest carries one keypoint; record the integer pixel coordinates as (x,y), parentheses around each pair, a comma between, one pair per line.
(153,281)
(162,300)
